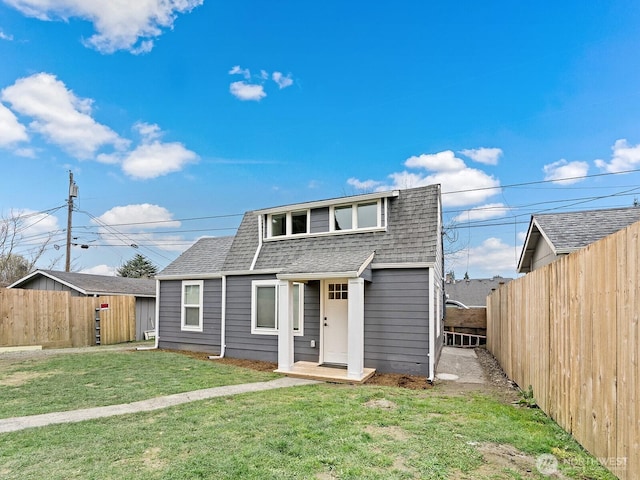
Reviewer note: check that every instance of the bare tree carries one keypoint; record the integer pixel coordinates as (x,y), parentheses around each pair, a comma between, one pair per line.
(13,265)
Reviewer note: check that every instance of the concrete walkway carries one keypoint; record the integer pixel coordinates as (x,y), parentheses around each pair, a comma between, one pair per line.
(21,423)
(459,365)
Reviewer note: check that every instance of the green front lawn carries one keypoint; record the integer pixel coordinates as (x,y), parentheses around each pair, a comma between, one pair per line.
(321,431)
(44,384)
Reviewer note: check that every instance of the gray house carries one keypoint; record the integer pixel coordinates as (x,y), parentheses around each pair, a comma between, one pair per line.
(87,285)
(552,235)
(473,293)
(352,282)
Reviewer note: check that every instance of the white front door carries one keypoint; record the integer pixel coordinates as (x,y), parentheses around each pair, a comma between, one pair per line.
(335,321)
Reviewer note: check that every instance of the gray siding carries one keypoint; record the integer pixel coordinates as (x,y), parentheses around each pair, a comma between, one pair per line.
(170,334)
(240,342)
(41,282)
(302,345)
(396,324)
(320,220)
(145,315)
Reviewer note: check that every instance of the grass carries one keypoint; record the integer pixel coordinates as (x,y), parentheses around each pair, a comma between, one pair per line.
(72,381)
(320,431)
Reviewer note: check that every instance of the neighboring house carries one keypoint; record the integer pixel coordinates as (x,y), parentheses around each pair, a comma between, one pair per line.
(472,292)
(353,282)
(552,235)
(86,285)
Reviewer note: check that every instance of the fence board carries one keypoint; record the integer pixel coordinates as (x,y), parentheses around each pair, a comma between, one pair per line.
(571,329)
(56,319)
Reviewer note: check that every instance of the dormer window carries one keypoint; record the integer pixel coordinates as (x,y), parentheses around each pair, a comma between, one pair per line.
(288,223)
(356,216)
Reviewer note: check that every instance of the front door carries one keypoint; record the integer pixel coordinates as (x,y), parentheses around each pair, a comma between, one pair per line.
(335,321)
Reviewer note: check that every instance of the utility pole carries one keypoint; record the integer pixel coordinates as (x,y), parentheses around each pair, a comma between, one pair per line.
(73,193)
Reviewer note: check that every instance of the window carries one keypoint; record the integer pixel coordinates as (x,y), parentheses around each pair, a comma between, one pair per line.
(356,216)
(368,215)
(287,223)
(191,316)
(338,291)
(279,224)
(298,222)
(343,218)
(264,307)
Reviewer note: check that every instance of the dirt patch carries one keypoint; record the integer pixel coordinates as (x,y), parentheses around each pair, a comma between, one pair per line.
(501,462)
(395,433)
(151,460)
(412,382)
(382,403)
(20,378)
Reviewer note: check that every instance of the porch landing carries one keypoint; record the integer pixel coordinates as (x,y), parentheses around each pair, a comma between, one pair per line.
(313,371)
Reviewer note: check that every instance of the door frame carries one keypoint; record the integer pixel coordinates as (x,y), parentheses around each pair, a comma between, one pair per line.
(323,307)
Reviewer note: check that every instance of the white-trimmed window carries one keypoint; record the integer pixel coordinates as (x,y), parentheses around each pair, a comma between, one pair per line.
(288,223)
(356,216)
(191,310)
(264,307)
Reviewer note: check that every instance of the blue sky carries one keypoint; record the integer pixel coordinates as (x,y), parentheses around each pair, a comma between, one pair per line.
(177,116)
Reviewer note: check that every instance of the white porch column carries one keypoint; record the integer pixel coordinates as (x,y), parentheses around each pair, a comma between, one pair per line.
(355,329)
(285,327)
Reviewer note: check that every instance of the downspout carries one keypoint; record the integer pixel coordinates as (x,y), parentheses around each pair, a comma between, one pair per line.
(155,346)
(223,321)
(432,332)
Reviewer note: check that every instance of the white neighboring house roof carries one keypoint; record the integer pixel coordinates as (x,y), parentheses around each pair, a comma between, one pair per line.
(88,284)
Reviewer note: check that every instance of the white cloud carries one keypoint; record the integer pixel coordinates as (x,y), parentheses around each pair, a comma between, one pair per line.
(281,80)
(155,159)
(119,24)
(132,224)
(60,116)
(11,130)
(247,91)
(34,227)
(461,185)
(5,36)
(483,212)
(625,157)
(488,156)
(493,257)
(144,216)
(100,270)
(565,173)
(152,158)
(367,185)
(236,70)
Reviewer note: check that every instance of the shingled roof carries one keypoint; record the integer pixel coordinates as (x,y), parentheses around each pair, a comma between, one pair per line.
(205,257)
(568,231)
(89,284)
(412,236)
(473,292)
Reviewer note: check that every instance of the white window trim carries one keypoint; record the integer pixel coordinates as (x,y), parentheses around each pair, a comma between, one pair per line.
(288,224)
(183,305)
(354,217)
(255,330)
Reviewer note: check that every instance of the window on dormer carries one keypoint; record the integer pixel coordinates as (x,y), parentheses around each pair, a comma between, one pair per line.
(288,223)
(299,222)
(278,224)
(356,216)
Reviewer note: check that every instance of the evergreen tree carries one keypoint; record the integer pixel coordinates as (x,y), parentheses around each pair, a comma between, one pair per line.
(138,267)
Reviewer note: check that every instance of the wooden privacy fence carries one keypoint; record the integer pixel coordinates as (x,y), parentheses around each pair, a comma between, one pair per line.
(571,330)
(57,319)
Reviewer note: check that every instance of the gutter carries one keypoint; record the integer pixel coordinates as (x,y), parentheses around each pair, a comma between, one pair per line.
(223,321)
(155,346)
